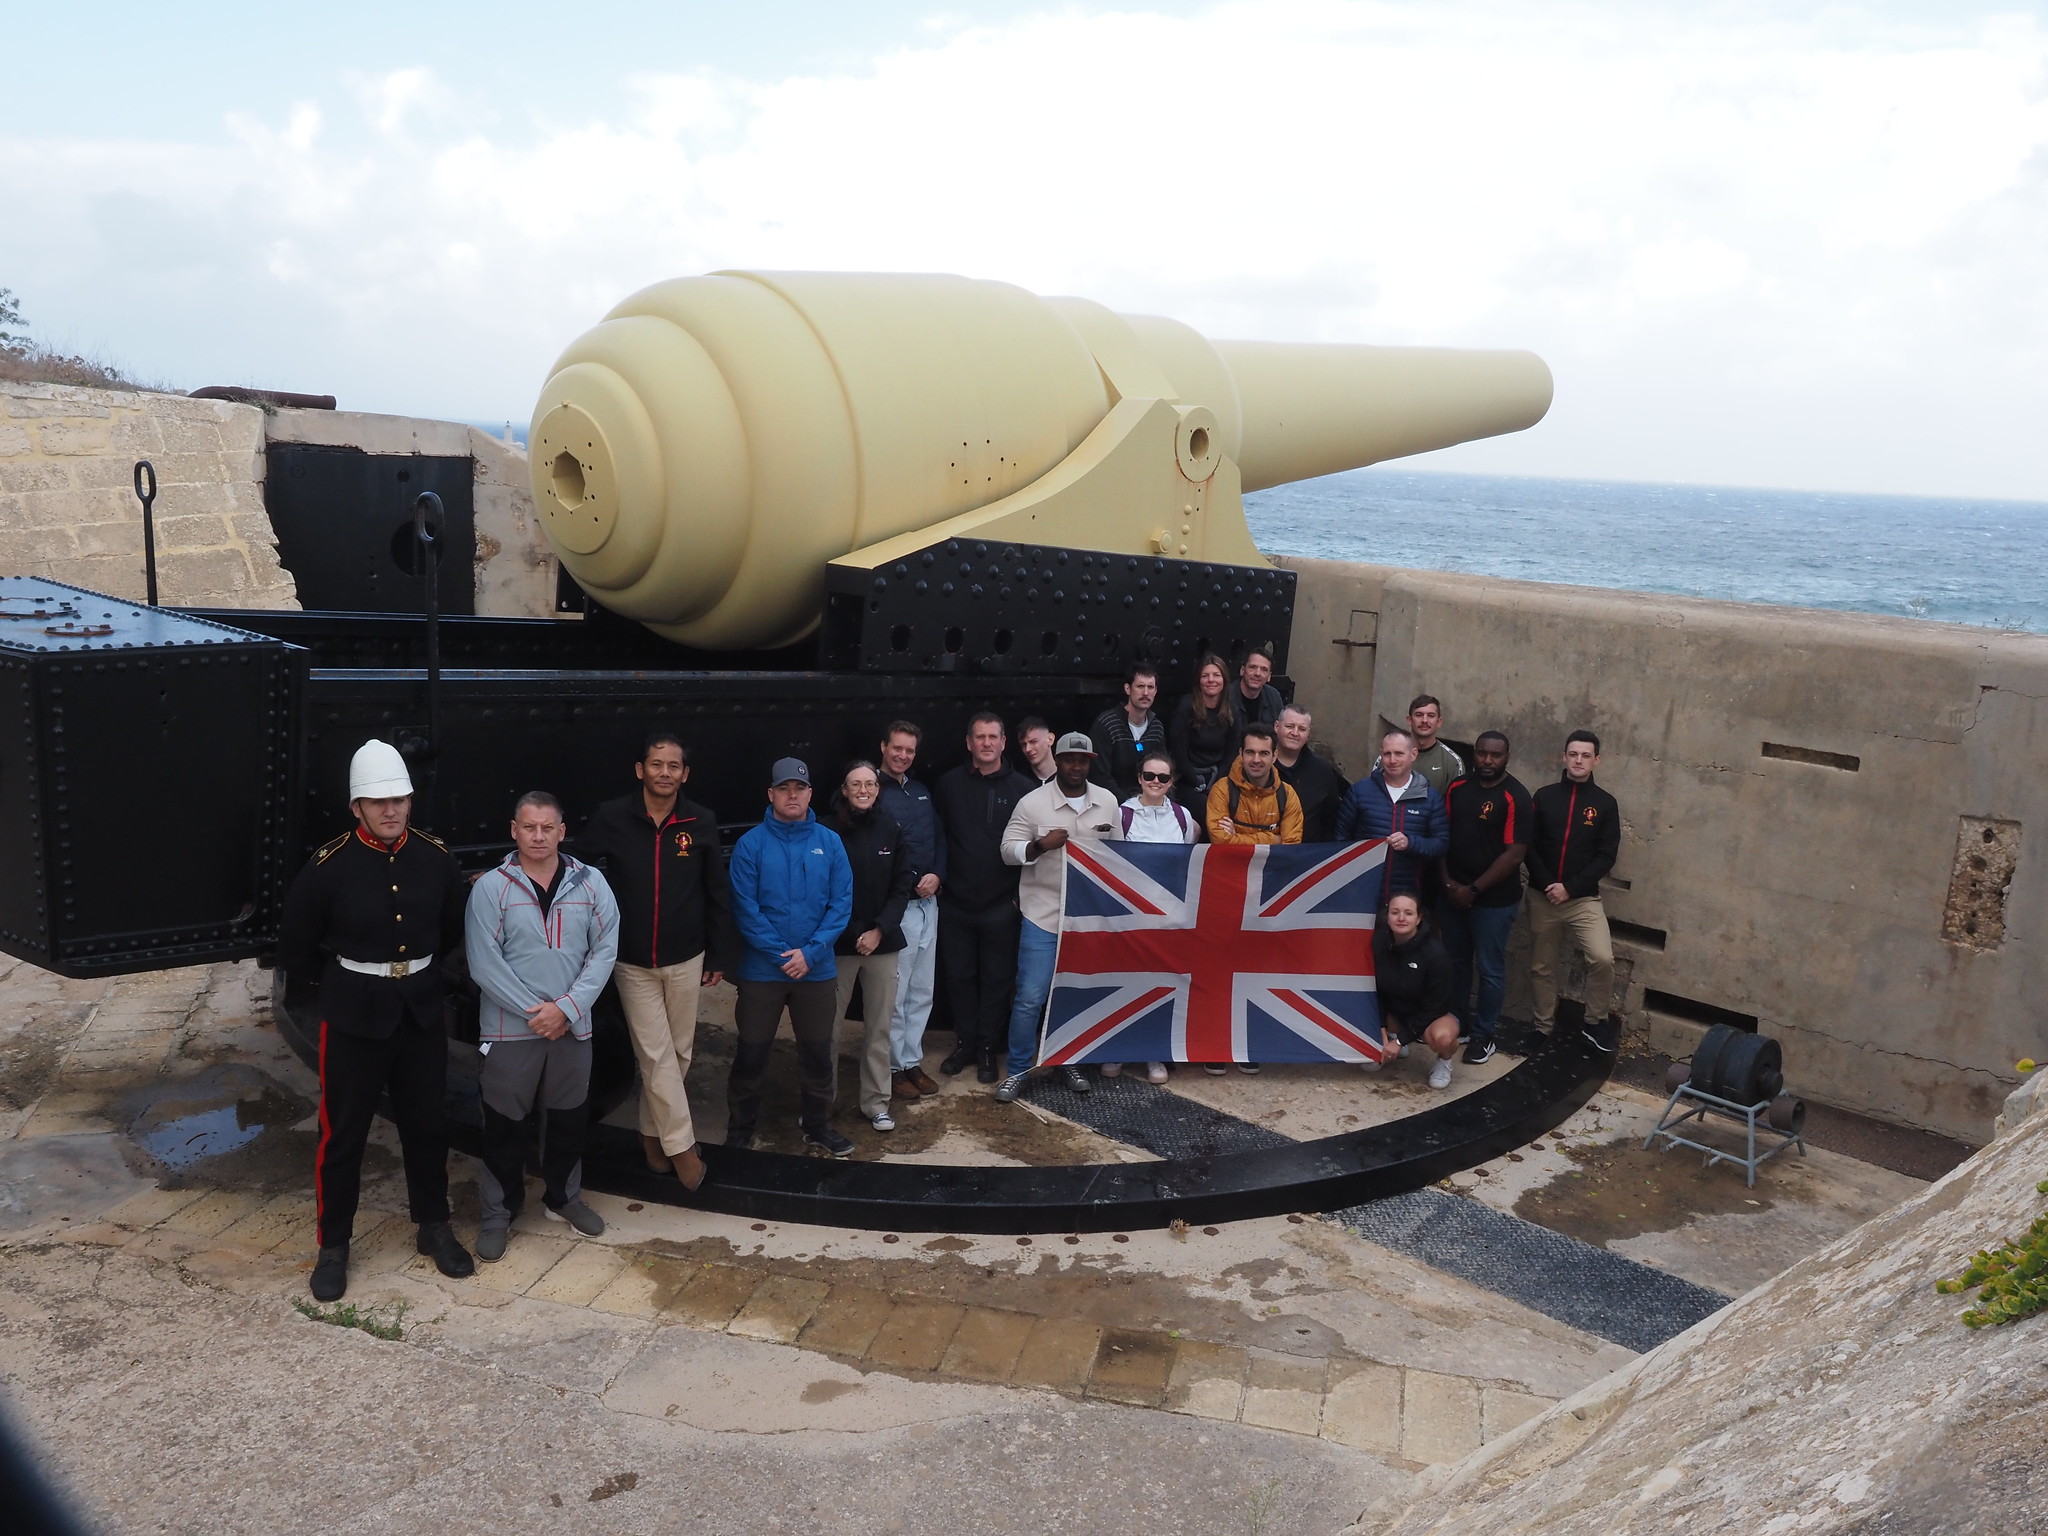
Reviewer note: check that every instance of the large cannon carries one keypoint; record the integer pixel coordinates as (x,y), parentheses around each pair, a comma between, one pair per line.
(798,506)
(704,454)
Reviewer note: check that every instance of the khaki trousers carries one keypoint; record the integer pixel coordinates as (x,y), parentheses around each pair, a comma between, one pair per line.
(877,976)
(1586,920)
(661,1016)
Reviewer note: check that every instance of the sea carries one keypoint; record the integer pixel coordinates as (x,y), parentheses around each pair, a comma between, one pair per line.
(1954,561)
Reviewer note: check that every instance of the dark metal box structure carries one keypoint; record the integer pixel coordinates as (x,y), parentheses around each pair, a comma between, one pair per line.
(144,772)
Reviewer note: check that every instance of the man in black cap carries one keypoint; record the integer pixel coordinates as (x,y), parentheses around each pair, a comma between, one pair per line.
(792,893)
(384,904)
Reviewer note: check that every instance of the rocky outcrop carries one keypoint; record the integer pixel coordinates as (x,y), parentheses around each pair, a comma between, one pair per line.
(1842,1396)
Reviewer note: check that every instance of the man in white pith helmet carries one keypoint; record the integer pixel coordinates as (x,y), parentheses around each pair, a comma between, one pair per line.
(380,908)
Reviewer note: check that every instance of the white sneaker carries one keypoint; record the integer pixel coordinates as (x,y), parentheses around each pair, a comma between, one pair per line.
(1112,1069)
(1404,1051)
(1368,1065)
(882,1120)
(1155,1071)
(1440,1074)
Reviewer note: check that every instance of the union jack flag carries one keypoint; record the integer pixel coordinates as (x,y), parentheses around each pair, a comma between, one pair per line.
(1215,953)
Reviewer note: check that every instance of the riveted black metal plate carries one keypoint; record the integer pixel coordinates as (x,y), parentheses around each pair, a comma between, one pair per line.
(145,785)
(990,608)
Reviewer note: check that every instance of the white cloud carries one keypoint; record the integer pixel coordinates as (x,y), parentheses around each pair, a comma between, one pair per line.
(1752,249)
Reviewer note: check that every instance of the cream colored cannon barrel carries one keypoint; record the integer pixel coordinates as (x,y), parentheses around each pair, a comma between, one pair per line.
(701,454)
(1313,410)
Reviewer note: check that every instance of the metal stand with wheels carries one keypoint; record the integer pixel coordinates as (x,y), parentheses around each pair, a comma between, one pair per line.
(1783,1117)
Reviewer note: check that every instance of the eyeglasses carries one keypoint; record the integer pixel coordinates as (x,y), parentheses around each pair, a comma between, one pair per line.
(1156,778)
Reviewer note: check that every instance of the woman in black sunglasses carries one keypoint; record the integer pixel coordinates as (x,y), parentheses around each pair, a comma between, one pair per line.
(1152,815)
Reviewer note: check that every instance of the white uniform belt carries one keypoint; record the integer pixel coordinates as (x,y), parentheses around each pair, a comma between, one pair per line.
(386,967)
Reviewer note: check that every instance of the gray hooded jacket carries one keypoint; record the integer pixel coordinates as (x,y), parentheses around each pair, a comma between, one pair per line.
(518,957)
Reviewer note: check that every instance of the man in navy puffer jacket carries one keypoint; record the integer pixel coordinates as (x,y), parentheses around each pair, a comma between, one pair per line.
(1396,803)
(792,893)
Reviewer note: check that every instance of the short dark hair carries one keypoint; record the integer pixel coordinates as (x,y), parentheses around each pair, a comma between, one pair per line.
(1259,729)
(986,717)
(908,728)
(1584,736)
(539,799)
(663,738)
(1138,669)
(1032,723)
(1501,737)
(1397,730)
(1160,757)
(1425,698)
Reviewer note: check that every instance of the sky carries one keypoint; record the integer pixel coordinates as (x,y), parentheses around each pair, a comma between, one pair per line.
(1796,244)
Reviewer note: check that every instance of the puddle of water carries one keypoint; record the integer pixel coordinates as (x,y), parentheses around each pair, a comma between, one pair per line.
(229,1126)
(188,1139)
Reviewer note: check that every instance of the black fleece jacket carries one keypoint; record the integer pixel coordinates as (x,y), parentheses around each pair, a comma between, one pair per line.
(974,809)
(884,879)
(1413,979)
(669,881)
(1577,837)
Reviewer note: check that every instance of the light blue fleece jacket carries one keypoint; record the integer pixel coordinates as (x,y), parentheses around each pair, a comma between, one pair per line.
(518,958)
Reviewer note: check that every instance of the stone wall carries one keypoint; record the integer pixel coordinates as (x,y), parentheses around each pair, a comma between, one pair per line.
(68,510)
(1806,799)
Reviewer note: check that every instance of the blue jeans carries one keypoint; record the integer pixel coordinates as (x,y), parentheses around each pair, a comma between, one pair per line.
(916,964)
(1036,950)
(1478,935)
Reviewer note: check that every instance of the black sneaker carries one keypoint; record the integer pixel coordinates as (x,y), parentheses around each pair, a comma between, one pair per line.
(958,1060)
(1478,1051)
(986,1070)
(330,1275)
(1076,1079)
(1605,1035)
(829,1142)
(740,1140)
(437,1241)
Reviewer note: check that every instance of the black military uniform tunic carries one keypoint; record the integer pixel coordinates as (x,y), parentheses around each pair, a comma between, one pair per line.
(396,905)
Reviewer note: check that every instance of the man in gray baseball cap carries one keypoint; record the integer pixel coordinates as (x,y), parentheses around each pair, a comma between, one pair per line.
(1067,807)
(792,893)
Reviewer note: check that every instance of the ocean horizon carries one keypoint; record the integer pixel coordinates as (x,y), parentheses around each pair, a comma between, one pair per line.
(1954,560)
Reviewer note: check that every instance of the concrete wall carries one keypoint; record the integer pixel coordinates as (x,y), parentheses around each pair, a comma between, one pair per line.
(68,509)
(67,502)
(1805,797)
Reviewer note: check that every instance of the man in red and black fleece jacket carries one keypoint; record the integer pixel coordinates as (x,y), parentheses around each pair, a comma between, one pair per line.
(660,854)
(1576,837)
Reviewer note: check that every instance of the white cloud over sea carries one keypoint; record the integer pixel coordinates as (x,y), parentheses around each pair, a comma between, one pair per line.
(1755,245)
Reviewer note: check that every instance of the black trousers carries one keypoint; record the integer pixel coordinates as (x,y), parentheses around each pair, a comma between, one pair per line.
(354,1072)
(813,1018)
(978,962)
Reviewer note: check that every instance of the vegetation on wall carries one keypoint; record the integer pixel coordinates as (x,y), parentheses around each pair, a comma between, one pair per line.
(2013,1277)
(26,361)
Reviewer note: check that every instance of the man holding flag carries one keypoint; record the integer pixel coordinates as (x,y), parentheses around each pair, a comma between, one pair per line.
(1067,807)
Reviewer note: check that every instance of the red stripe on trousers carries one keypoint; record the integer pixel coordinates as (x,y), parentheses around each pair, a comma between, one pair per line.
(320,1153)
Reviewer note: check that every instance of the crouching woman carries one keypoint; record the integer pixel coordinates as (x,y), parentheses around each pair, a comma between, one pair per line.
(1412,973)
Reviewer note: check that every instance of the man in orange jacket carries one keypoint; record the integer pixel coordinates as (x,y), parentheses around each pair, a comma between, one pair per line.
(1250,804)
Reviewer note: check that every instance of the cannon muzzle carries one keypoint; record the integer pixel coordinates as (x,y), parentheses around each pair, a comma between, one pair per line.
(702,454)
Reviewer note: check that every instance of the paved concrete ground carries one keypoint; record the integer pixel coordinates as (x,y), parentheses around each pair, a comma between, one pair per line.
(705,1373)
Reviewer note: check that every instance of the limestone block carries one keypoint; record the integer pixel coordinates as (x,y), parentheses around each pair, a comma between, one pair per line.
(1363,1406)
(23,477)
(1439,1417)
(14,441)
(73,436)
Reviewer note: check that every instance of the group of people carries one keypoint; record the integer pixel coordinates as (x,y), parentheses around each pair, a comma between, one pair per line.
(898,888)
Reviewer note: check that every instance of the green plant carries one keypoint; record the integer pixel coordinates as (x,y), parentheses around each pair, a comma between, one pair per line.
(2013,1278)
(378,1322)
(10,314)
